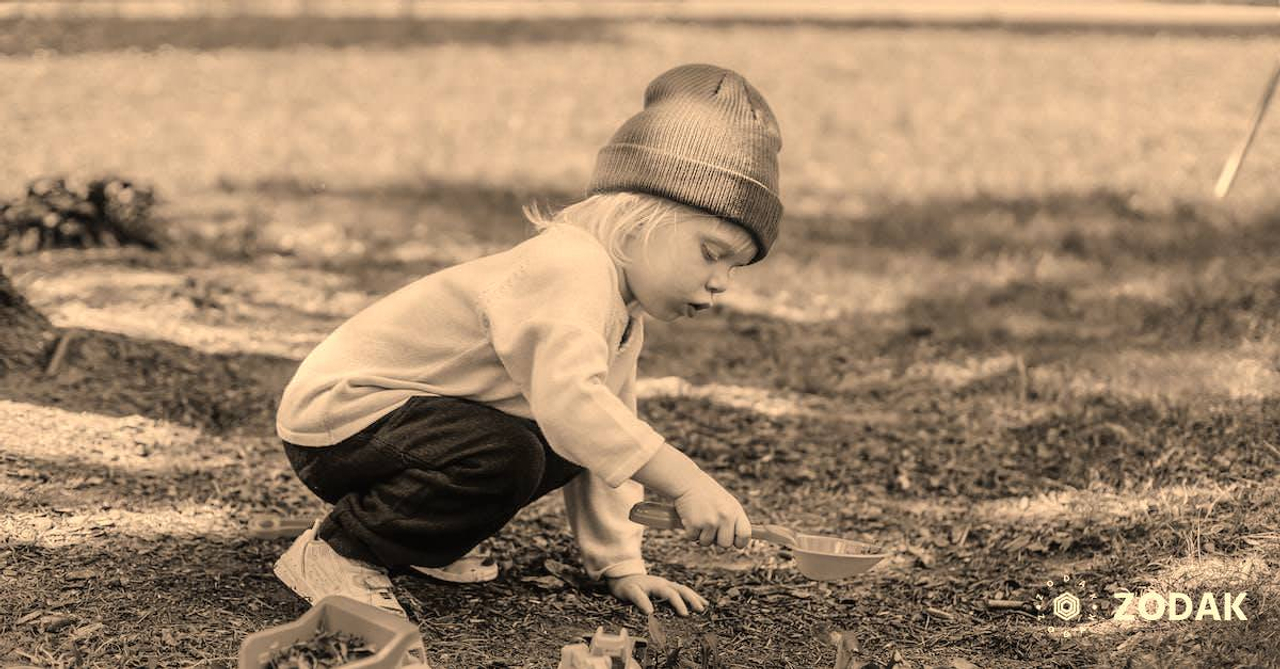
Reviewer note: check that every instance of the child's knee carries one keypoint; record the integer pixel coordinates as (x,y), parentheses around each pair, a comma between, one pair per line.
(523,462)
(477,449)
(507,465)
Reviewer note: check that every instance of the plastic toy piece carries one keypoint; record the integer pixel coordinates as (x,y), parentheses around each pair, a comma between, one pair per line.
(398,641)
(818,557)
(606,651)
(275,527)
(578,656)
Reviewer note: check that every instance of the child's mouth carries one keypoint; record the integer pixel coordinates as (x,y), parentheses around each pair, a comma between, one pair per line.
(692,308)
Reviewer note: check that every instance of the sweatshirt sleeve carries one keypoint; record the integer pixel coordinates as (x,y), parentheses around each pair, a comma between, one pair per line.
(599,516)
(547,321)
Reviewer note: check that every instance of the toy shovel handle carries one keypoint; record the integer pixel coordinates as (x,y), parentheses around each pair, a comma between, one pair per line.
(274,527)
(776,534)
(664,517)
(657,515)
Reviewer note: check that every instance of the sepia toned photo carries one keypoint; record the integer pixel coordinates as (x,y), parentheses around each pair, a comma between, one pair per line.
(639,334)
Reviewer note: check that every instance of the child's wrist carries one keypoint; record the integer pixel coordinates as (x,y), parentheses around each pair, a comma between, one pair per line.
(671,473)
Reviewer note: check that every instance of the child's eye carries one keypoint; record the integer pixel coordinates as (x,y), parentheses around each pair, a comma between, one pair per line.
(706,253)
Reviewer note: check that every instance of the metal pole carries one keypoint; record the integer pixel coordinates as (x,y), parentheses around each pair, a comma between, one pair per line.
(1232,167)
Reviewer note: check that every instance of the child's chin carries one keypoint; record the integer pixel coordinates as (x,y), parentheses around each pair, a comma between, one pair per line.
(664,316)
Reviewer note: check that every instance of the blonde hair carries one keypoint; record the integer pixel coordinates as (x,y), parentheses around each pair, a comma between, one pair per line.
(614,217)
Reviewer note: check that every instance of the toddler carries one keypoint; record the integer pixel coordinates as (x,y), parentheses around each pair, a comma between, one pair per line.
(431,417)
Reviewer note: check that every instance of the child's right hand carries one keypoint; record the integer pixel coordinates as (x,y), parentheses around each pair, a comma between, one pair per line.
(712,514)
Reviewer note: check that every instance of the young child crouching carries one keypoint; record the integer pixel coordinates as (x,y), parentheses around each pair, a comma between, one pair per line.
(430,418)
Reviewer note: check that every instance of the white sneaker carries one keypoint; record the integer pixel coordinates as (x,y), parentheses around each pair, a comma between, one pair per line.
(314,570)
(477,566)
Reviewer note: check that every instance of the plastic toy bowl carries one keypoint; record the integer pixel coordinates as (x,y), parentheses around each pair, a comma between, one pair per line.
(823,558)
(397,639)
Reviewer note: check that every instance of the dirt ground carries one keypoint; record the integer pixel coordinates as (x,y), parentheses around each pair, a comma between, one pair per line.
(130,474)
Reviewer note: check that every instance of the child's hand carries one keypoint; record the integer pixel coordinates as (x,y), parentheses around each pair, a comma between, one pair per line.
(638,588)
(712,514)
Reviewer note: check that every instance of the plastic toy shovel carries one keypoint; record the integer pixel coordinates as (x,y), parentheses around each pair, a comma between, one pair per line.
(819,558)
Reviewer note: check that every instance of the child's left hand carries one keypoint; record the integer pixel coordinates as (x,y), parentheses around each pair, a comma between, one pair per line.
(638,588)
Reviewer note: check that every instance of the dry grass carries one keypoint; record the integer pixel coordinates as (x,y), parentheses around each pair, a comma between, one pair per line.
(866,113)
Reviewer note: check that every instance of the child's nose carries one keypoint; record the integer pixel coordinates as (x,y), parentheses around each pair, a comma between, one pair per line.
(719,280)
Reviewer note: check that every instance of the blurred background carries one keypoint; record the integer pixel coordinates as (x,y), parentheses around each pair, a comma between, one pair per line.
(309,115)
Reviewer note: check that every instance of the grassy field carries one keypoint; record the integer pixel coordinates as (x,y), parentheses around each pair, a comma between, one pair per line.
(1006,333)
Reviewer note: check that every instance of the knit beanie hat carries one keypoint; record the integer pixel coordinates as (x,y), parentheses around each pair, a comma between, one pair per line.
(707,139)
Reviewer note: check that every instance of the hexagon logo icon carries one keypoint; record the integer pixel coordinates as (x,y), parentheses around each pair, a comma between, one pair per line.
(1066,606)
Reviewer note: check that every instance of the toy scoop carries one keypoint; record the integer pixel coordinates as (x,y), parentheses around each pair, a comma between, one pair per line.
(818,557)
(275,527)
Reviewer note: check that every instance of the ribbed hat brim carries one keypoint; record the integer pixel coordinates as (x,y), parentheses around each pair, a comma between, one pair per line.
(726,193)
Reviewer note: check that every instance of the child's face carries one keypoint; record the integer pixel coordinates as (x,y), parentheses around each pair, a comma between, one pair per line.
(684,265)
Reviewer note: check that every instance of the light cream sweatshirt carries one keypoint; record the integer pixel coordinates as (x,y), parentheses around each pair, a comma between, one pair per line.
(535,331)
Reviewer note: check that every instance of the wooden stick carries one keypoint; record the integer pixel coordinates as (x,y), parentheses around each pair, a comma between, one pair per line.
(1232,167)
(59,352)
(1024,381)
(940,613)
(1005,604)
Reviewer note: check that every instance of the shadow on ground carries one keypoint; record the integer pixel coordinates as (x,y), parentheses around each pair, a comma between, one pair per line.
(1105,225)
(1149,26)
(1042,321)
(117,375)
(81,35)
(476,212)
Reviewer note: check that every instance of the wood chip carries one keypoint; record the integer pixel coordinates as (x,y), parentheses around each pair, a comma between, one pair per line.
(85,631)
(848,650)
(29,617)
(547,582)
(940,613)
(55,622)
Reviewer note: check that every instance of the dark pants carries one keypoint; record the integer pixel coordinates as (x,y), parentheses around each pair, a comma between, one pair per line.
(429,481)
